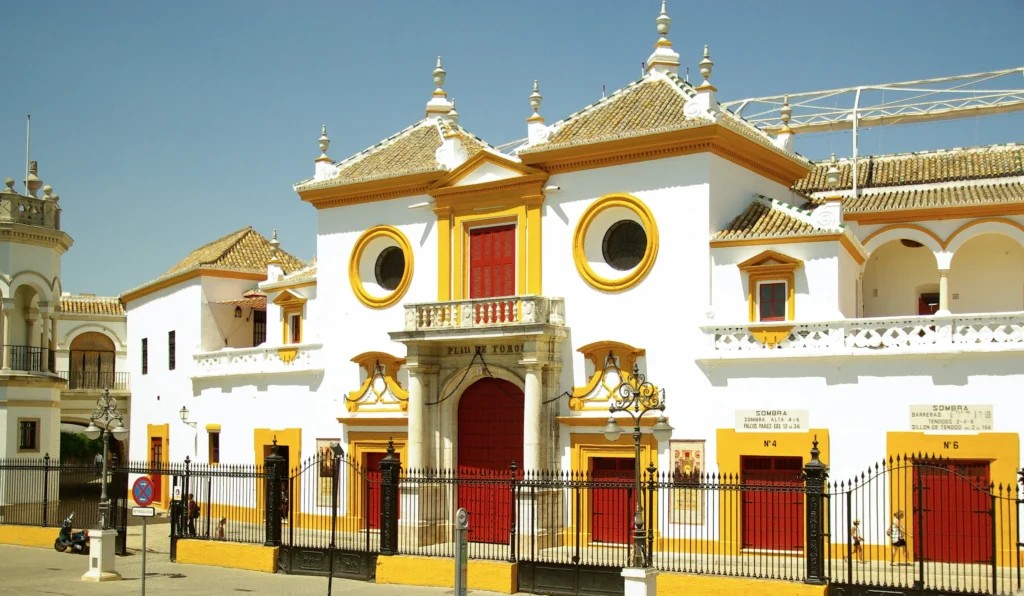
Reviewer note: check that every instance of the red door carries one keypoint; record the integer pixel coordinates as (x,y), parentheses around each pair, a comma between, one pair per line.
(156,458)
(956,527)
(371,466)
(490,439)
(614,501)
(773,517)
(492,270)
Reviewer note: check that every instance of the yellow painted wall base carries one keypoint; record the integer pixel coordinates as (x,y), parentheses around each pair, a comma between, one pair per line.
(671,584)
(228,554)
(491,576)
(28,536)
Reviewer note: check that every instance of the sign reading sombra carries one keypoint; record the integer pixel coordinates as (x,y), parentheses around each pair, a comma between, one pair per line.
(772,420)
(951,418)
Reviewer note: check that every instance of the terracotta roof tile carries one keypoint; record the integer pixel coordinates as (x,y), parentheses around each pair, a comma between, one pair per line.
(91,305)
(997,161)
(256,302)
(245,249)
(761,220)
(961,196)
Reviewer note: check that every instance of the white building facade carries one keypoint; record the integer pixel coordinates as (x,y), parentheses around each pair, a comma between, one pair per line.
(479,307)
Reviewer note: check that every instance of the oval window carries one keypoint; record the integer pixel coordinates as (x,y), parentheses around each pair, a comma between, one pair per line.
(624,245)
(390,268)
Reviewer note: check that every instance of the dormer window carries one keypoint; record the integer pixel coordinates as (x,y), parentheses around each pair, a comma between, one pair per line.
(771,301)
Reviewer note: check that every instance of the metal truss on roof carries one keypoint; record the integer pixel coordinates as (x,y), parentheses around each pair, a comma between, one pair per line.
(946,98)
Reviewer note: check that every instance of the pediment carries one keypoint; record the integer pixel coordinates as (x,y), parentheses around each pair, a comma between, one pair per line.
(483,168)
(289,298)
(770,258)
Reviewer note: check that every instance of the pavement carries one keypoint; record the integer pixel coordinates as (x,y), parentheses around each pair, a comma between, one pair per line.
(26,570)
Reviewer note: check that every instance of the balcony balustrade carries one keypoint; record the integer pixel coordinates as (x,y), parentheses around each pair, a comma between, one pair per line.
(289,358)
(31,359)
(15,208)
(485,313)
(990,332)
(96,380)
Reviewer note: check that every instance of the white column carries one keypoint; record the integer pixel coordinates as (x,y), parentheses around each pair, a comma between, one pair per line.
(30,322)
(943,293)
(7,339)
(532,423)
(860,294)
(44,342)
(417,419)
(53,333)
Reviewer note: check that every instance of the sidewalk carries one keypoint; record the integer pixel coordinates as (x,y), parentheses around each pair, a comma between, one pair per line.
(40,571)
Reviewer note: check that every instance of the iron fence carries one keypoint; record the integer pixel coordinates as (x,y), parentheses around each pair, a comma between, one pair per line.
(218,501)
(98,380)
(29,358)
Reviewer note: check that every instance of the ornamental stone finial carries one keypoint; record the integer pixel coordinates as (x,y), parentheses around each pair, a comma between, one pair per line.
(832,174)
(439,105)
(535,101)
(454,114)
(325,144)
(664,59)
(439,75)
(275,245)
(705,68)
(664,22)
(9,182)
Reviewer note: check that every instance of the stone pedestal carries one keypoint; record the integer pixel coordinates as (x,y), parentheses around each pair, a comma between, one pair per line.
(640,582)
(101,557)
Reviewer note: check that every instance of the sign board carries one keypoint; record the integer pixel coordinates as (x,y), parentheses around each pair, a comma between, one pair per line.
(951,418)
(143,512)
(177,493)
(142,491)
(778,420)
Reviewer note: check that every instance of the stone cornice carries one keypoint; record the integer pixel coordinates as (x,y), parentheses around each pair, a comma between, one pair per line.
(35,235)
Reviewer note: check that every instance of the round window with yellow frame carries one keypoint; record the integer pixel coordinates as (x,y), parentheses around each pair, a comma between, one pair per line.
(380,267)
(615,243)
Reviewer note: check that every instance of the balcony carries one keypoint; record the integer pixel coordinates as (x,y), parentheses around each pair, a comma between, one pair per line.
(31,359)
(263,360)
(92,380)
(505,316)
(990,332)
(15,208)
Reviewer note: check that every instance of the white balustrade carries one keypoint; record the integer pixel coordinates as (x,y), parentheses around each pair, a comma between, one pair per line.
(487,312)
(292,358)
(992,332)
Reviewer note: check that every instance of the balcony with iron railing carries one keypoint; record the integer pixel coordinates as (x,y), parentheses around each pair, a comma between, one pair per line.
(883,336)
(476,316)
(93,380)
(30,359)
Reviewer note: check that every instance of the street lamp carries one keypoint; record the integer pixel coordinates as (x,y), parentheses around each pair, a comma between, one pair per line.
(101,563)
(336,454)
(183,413)
(637,397)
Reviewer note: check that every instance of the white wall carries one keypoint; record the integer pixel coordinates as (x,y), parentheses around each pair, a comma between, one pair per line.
(219,326)
(987,275)
(849,270)
(894,278)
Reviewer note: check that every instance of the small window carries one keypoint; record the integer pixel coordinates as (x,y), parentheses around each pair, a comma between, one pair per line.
(390,268)
(259,327)
(295,328)
(28,435)
(145,355)
(772,301)
(214,447)
(624,245)
(170,350)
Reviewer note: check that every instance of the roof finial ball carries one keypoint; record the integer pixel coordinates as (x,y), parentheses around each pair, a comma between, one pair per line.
(9,182)
(535,99)
(785,114)
(275,245)
(705,68)
(325,144)
(664,22)
(832,175)
(439,75)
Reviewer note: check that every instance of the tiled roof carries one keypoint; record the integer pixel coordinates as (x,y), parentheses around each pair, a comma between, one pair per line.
(91,305)
(996,161)
(245,250)
(931,198)
(256,302)
(765,219)
(410,151)
(642,107)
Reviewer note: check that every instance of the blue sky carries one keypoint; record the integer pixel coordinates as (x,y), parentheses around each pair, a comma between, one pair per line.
(166,125)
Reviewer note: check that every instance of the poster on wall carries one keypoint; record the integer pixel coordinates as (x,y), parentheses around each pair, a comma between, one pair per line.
(323,493)
(687,468)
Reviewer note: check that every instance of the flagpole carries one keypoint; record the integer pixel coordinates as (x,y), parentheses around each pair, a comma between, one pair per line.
(28,136)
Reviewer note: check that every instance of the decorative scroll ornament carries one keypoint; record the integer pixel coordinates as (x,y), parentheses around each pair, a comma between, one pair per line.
(612,363)
(381,391)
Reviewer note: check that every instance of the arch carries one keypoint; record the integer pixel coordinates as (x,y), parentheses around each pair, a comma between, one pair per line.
(93,328)
(893,275)
(986,273)
(32,279)
(988,225)
(92,361)
(92,341)
(882,236)
(456,383)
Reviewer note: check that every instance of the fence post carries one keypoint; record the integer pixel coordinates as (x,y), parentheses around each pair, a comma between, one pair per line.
(515,509)
(389,470)
(273,468)
(46,484)
(815,473)
(919,527)
(652,486)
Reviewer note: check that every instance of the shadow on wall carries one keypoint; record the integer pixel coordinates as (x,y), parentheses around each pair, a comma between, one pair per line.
(259,383)
(952,370)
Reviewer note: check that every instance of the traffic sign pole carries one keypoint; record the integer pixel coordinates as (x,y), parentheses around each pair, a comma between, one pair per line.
(142,492)
(144,556)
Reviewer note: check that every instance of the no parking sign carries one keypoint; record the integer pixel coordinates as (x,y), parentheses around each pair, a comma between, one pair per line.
(142,491)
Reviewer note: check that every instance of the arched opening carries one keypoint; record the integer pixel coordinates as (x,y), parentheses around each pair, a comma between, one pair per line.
(899,278)
(987,275)
(25,335)
(91,362)
(490,439)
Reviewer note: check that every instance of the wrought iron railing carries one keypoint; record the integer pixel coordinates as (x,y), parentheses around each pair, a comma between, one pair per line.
(29,358)
(96,380)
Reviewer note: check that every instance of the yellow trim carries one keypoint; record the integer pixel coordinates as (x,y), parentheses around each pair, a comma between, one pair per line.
(286,328)
(408,570)
(851,248)
(732,445)
(374,421)
(288,355)
(186,275)
(632,278)
(713,138)
(290,438)
(485,157)
(28,403)
(600,421)
(534,277)
(213,428)
(27,536)
(921,229)
(939,213)
(360,444)
(597,352)
(949,239)
(39,435)
(673,584)
(465,222)
(759,269)
(587,446)
(251,557)
(370,191)
(160,431)
(367,361)
(976,222)
(444,254)
(295,286)
(287,298)
(357,253)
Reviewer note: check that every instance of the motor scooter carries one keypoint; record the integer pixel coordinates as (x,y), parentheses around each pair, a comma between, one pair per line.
(78,542)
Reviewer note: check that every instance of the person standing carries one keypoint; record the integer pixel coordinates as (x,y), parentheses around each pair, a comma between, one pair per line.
(898,535)
(193,514)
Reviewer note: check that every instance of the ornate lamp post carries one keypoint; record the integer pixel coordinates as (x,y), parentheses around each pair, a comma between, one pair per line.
(637,397)
(101,566)
(183,414)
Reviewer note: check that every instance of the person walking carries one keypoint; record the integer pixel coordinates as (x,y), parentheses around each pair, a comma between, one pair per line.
(898,535)
(858,541)
(193,514)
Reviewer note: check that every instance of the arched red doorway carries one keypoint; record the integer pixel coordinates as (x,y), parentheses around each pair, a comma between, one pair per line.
(490,439)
